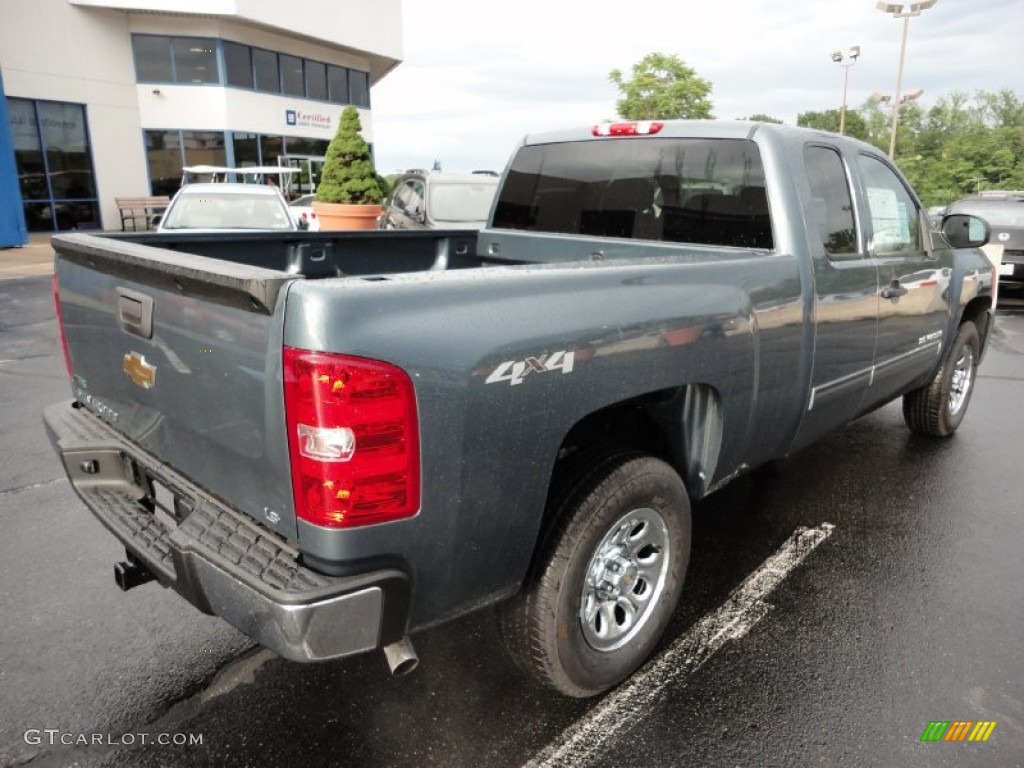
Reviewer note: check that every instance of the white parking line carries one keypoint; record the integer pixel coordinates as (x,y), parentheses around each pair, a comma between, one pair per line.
(745,606)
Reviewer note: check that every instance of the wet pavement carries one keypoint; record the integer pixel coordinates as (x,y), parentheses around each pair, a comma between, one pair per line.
(910,612)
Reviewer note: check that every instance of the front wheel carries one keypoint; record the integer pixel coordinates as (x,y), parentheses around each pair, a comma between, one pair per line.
(937,408)
(608,579)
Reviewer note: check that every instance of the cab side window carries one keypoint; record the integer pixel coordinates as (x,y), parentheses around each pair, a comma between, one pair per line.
(830,196)
(409,197)
(895,217)
(414,198)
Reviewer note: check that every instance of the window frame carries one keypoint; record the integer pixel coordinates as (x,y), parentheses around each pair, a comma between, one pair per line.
(355,83)
(224,55)
(924,245)
(860,252)
(214,58)
(170,57)
(281,57)
(276,79)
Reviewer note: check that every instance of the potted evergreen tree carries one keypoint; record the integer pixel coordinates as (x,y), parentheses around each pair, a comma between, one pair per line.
(349,195)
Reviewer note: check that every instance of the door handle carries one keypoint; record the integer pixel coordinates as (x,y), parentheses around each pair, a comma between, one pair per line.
(894,290)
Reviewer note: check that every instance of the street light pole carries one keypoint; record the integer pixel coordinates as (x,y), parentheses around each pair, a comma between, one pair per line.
(897,12)
(838,57)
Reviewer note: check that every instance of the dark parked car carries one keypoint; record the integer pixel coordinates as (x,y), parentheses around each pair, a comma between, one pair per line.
(1004,213)
(440,201)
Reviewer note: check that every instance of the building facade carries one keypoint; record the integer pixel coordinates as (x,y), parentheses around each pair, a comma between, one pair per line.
(110,98)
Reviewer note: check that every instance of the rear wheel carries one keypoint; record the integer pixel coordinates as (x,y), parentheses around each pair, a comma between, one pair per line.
(608,578)
(937,408)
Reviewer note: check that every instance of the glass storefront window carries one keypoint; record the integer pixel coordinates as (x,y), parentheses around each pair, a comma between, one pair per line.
(54,164)
(67,150)
(163,155)
(187,60)
(238,64)
(291,75)
(359,88)
(301,146)
(271,148)
(265,66)
(316,80)
(204,148)
(247,149)
(337,84)
(195,60)
(152,59)
(62,216)
(28,151)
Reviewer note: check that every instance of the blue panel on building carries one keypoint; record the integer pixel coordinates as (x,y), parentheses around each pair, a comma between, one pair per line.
(12,214)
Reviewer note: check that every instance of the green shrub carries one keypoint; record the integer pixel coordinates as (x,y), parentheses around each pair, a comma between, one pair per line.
(348,175)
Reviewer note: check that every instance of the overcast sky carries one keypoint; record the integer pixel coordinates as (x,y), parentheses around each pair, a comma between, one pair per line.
(477,75)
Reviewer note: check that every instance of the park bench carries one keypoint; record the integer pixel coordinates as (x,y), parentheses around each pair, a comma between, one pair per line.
(144,209)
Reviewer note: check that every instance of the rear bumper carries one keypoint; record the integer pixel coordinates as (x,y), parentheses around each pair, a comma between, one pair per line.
(220,560)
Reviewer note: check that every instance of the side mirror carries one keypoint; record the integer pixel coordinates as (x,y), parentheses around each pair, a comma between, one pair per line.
(964,231)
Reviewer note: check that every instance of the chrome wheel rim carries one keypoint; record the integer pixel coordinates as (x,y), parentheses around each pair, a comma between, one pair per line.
(960,383)
(624,579)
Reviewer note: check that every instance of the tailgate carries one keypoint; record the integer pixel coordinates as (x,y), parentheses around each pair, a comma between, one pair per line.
(181,354)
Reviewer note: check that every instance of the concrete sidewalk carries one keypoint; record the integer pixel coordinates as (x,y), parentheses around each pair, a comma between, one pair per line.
(30,260)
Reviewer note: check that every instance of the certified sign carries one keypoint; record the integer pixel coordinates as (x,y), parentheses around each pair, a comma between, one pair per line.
(299,119)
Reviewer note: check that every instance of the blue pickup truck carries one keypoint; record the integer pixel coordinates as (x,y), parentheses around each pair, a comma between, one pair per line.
(337,440)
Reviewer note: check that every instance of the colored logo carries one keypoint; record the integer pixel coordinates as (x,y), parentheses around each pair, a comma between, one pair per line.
(300,119)
(139,371)
(958,730)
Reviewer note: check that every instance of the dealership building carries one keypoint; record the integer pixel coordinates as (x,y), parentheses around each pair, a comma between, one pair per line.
(104,99)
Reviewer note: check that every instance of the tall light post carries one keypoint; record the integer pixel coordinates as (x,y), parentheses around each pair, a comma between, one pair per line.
(839,58)
(898,12)
(897,105)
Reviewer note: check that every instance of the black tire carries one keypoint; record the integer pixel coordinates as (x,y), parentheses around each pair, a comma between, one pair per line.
(936,409)
(624,522)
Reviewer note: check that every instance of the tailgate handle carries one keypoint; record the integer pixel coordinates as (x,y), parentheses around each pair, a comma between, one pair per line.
(135,312)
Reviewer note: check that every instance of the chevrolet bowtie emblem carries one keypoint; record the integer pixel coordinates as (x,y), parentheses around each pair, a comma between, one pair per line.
(139,371)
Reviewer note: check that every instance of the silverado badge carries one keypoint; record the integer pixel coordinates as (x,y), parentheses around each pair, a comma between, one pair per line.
(139,371)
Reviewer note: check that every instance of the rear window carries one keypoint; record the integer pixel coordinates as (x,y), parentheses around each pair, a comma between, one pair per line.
(462,201)
(707,191)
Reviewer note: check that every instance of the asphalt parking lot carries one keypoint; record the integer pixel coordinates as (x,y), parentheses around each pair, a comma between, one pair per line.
(902,605)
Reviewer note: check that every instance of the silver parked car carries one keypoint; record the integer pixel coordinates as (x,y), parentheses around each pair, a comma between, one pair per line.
(440,201)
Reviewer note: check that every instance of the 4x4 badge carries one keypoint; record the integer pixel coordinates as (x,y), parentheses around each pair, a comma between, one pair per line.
(515,371)
(139,371)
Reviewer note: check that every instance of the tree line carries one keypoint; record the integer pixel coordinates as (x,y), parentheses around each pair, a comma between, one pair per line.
(962,145)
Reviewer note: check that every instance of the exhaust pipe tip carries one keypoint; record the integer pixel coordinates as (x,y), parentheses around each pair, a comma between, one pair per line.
(401,657)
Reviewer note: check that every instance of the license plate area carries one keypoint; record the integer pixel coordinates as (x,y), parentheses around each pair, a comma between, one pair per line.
(1006,270)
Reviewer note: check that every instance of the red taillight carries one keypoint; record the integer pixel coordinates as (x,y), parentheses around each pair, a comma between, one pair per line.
(353,438)
(639,128)
(60,326)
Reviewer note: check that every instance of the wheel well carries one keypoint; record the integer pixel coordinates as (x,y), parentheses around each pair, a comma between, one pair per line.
(630,424)
(681,425)
(979,312)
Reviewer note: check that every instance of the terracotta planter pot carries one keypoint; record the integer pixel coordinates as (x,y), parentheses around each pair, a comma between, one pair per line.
(344,216)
